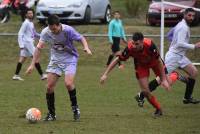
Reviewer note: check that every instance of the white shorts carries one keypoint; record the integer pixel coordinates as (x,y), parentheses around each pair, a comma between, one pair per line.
(174,61)
(67,68)
(28,50)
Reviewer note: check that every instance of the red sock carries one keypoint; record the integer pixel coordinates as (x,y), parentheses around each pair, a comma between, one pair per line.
(154,102)
(173,76)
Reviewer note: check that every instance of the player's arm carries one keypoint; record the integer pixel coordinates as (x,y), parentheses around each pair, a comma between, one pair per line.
(109,69)
(36,57)
(163,76)
(181,36)
(21,34)
(85,46)
(122,57)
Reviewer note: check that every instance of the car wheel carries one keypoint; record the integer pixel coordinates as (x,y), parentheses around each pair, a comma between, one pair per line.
(4,15)
(87,16)
(107,16)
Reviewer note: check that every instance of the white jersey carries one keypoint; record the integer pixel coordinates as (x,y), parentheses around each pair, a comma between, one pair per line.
(180,41)
(27,33)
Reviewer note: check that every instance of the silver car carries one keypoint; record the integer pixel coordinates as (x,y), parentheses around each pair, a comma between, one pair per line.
(80,10)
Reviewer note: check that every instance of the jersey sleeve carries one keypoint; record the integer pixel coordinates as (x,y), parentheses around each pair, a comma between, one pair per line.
(43,39)
(154,51)
(21,34)
(125,54)
(74,35)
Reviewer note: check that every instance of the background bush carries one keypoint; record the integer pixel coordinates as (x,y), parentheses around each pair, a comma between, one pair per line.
(136,7)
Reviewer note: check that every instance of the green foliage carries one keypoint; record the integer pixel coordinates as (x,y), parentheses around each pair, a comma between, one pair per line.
(136,7)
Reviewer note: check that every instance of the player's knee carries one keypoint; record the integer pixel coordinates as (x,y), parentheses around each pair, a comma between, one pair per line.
(194,73)
(50,87)
(69,85)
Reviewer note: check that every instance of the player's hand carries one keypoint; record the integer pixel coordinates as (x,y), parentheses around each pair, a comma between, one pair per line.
(29,69)
(103,78)
(197,45)
(88,51)
(165,85)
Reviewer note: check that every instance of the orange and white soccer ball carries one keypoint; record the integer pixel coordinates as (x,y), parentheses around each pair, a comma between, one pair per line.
(33,115)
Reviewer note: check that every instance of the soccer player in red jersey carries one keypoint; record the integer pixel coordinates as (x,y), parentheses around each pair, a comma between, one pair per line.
(146,57)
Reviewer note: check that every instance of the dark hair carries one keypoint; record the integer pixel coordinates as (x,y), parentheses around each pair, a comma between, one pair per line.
(53,19)
(116,12)
(137,36)
(189,10)
(29,9)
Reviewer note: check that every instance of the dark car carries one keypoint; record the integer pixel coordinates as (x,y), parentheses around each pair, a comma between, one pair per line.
(172,14)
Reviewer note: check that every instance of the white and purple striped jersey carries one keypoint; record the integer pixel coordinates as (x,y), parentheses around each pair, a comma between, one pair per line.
(61,44)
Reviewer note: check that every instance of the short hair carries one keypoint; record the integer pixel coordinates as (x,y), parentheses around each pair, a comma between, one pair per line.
(137,36)
(53,19)
(189,10)
(116,12)
(29,9)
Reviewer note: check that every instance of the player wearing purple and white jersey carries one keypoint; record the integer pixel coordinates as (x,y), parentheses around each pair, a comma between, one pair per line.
(26,36)
(64,57)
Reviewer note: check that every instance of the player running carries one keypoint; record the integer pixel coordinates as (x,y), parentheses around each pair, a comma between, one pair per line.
(63,58)
(146,57)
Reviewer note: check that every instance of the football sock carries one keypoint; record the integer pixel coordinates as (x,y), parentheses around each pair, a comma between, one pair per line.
(154,102)
(109,59)
(189,88)
(119,63)
(39,69)
(152,86)
(72,95)
(173,77)
(50,103)
(18,68)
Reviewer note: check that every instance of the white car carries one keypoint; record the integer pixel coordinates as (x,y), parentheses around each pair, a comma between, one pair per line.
(80,10)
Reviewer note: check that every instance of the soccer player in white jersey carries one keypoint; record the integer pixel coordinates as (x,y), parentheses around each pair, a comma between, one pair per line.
(26,36)
(63,58)
(175,57)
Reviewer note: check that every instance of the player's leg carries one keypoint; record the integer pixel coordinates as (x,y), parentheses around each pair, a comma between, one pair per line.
(192,71)
(143,82)
(70,72)
(21,60)
(31,49)
(50,97)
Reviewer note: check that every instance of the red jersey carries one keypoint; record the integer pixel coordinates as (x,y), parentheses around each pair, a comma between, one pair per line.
(146,57)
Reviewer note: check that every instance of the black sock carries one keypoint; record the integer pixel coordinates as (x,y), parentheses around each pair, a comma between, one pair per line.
(142,95)
(109,59)
(50,103)
(18,68)
(189,88)
(153,85)
(72,95)
(39,69)
(119,63)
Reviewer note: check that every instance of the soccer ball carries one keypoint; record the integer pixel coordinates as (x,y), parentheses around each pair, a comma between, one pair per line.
(33,115)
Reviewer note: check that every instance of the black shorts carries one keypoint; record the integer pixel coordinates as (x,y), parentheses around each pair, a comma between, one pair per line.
(115,46)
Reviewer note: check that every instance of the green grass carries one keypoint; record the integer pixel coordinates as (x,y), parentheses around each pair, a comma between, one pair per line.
(107,109)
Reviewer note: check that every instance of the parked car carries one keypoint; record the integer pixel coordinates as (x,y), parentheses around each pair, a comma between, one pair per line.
(78,10)
(172,14)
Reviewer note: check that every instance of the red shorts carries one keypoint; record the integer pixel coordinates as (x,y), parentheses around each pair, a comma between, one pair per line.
(144,71)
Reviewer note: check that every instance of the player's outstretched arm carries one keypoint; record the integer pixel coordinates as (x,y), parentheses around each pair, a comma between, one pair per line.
(85,46)
(36,57)
(163,77)
(109,69)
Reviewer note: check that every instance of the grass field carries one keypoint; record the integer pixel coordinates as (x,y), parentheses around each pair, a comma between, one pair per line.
(107,109)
